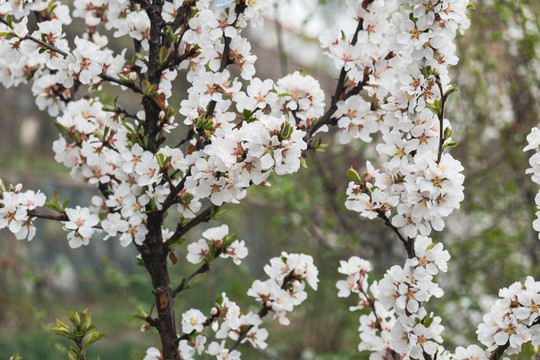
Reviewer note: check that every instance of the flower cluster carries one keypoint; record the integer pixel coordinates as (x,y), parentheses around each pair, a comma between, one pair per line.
(279,294)
(400,56)
(237,137)
(16,210)
(217,241)
(398,321)
(514,320)
(285,288)
(533,143)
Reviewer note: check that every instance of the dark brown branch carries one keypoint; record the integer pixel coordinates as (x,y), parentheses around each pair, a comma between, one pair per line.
(129,85)
(177,60)
(441,121)
(48,217)
(408,243)
(171,198)
(182,17)
(44,44)
(201,270)
(204,216)
(153,322)
(54,217)
(188,137)
(327,119)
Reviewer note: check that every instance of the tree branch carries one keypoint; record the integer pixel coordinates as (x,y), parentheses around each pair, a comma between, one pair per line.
(171,198)
(408,243)
(204,216)
(129,85)
(201,270)
(48,217)
(441,121)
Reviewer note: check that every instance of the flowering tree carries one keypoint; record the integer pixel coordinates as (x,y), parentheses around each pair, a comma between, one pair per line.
(234,132)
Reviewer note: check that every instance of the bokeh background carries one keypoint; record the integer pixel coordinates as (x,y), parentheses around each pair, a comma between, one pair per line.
(490,238)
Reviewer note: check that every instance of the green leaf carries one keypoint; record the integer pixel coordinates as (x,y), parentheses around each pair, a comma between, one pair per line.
(177,243)
(68,134)
(426,71)
(171,33)
(86,320)
(61,324)
(75,319)
(435,107)
(218,212)
(450,144)
(354,176)
(453,89)
(142,313)
(160,159)
(53,207)
(286,131)
(60,331)
(199,123)
(447,133)
(73,354)
(92,337)
(109,108)
(219,300)
(162,57)
(187,197)
(55,203)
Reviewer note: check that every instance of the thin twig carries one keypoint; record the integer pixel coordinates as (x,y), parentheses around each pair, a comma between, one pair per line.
(48,217)
(129,85)
(171,198)
(326,118)
(204,216)
(188,137)
(201,270)
(408,243)
(55,218)
(441,121)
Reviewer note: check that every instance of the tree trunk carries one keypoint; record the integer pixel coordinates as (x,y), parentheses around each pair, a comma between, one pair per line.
(154,254)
